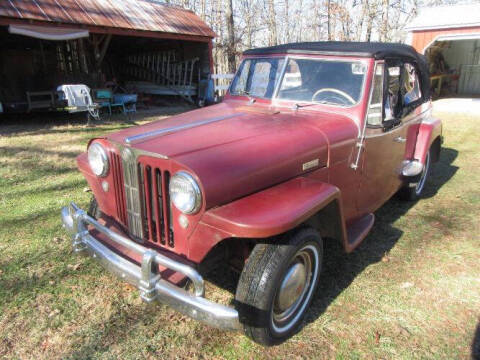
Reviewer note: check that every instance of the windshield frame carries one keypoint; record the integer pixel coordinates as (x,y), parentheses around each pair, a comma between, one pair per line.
(274,98)
(275,89)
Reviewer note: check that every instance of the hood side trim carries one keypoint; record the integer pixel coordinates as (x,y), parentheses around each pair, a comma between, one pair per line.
(138,138)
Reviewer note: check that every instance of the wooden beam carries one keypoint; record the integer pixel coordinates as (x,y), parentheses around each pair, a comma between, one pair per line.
(106,42)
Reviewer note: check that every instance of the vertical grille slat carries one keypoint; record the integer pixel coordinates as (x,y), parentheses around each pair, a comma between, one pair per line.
(118,188)
(157,194)
(147,182)
(145,204)
(166,214)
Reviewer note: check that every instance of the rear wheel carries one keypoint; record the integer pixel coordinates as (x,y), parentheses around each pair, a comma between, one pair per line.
(277,284)
(413,191)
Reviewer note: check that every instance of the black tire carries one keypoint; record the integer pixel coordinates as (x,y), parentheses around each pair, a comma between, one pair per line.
(94,210)
(414,191)
(266,272)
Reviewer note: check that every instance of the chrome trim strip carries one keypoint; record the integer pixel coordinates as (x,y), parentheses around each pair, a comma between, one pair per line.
(133,193)
(150,284)
(362,136)
(137,138)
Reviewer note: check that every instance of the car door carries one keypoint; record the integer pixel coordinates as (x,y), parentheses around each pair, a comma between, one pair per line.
(389,123)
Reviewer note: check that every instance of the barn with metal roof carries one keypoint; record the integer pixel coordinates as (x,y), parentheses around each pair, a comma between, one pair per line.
(449,36)
(146,46)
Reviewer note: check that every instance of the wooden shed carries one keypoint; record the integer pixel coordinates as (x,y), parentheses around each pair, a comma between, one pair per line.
(144,45)
(450,37)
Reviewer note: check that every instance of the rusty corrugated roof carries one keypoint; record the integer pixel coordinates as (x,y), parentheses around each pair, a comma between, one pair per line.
(146,15)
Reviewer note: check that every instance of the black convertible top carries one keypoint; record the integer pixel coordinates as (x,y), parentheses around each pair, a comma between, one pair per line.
(377,50)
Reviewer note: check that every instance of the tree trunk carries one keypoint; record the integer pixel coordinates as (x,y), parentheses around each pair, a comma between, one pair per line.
(317,23)
(358,35)
(272,24)
(204,8)
(329,30)
(230,37)
(384,29)
(286,23)
(371,17)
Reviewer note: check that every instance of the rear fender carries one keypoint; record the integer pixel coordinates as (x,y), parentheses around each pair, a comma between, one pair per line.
(272,212)
(430,131)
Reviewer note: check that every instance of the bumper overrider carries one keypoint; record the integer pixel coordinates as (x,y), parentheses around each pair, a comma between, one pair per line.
(150,284)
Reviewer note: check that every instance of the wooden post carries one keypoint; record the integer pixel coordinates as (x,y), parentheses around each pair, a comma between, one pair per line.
(106,42)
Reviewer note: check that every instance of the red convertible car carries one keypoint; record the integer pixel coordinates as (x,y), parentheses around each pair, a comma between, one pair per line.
(309,141)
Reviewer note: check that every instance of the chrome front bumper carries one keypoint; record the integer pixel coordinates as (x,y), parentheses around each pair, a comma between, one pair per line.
(150,284)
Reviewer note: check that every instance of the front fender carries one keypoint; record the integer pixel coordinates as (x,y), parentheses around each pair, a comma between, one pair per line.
(273,211)
(428,132)
(264,214)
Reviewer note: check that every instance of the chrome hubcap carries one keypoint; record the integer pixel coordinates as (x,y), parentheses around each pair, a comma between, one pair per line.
(295,288)
(292,286)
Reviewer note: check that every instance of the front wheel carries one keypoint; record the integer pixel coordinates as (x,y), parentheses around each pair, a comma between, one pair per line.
(277,284)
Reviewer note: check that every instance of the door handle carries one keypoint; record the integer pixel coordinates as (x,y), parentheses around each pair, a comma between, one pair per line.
(400,139)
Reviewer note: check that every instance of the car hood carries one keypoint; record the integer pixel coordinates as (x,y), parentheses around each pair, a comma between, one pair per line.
(237,149)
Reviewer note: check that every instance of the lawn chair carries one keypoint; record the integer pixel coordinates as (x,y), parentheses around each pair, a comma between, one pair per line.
(78,99)
(104,99)
(128,102)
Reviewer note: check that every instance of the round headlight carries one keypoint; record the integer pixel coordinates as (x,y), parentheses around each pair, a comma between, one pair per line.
(185,193)
(98,159)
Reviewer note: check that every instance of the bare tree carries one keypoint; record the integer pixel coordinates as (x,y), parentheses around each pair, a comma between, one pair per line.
(286,22)
(272,24)
(242,24)
(384,25)
(230,36)
(329,16)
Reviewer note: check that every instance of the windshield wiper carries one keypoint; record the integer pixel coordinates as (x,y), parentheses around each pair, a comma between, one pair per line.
(298,106)
(247,93)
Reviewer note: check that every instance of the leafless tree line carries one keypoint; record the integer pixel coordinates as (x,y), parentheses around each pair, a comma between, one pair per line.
(244,24)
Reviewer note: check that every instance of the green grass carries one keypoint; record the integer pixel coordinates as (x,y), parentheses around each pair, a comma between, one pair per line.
(411,290)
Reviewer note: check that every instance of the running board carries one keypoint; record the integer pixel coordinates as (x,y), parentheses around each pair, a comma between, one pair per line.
(358,230)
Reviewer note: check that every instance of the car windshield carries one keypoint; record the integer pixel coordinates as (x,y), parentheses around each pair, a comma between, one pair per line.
(306,80)
(257,77)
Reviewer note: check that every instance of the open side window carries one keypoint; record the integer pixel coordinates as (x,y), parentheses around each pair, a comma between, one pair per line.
(411,90)
(392,97)
(396,92)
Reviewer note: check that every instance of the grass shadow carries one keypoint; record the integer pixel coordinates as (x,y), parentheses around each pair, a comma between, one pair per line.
(43,123)
(11,151)
(340,269)
(476,344)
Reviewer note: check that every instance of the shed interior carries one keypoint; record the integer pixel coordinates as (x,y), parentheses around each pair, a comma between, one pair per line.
(455,67)
(147,66)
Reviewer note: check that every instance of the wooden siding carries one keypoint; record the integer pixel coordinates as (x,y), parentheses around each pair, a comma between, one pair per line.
(423,38)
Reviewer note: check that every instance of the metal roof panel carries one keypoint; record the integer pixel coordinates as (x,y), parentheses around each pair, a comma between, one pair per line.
(146,15)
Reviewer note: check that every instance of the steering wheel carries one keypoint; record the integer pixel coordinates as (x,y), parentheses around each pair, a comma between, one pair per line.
(335,91)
